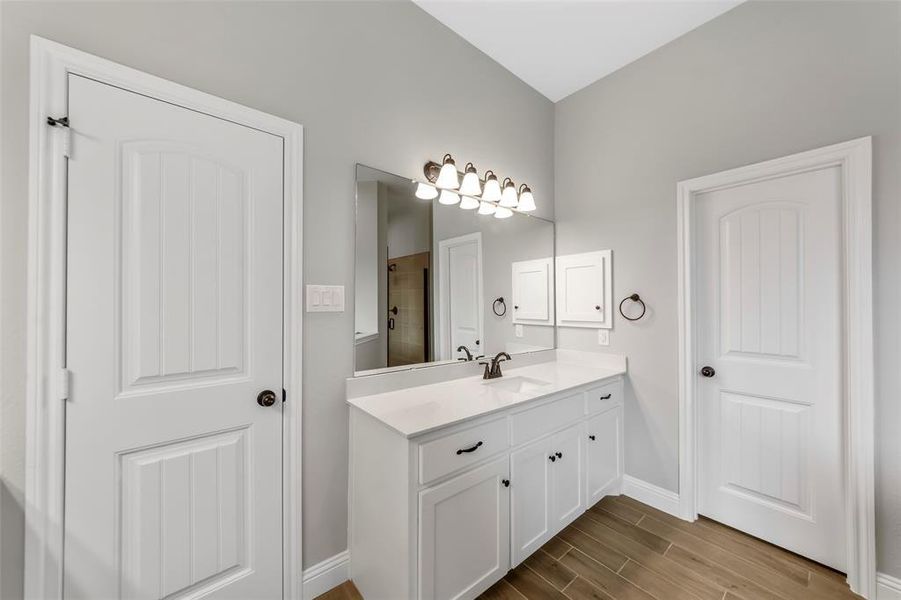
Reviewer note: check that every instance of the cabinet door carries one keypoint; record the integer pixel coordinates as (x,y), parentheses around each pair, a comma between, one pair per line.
(584,295)
(566,477)
(531,291)
(530,498)
(464,533)
(604,453)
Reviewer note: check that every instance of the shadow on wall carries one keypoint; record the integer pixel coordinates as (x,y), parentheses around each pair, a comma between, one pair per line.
(12,541)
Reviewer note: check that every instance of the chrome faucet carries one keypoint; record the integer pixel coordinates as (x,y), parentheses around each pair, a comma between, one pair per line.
(493,368)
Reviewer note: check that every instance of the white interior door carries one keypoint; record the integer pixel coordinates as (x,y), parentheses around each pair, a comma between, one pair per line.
(174,326)
(461,295)
(769,325)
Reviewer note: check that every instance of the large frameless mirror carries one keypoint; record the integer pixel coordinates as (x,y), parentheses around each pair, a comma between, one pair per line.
(439,283)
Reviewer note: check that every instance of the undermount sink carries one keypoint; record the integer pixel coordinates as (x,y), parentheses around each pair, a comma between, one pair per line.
(518,384)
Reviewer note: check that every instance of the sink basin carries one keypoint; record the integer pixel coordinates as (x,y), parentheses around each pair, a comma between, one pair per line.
(518,384)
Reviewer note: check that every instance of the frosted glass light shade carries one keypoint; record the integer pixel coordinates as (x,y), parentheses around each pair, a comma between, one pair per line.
(502,213)
(425,191)
(468,203)
(526,201)
(492,191)
(448,197)
(508,197)
(448,178)
(487,208)
(471,185)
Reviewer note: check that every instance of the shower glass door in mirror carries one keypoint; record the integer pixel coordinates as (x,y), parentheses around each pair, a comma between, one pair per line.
(435,283)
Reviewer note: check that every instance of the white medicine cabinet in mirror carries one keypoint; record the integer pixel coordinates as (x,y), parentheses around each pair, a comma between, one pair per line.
(437,283)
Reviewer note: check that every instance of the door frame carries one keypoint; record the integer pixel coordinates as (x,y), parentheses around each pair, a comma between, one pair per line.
(443,336)
(854,159)
(47,379)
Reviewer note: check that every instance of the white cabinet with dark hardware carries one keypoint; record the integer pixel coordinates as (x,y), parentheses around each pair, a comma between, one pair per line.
(446,513)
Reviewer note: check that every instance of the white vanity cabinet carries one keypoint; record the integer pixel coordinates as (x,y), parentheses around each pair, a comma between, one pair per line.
(446,513)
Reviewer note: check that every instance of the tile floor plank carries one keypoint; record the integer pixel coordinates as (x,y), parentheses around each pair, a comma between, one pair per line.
(722,576)
(636,532)
(623,511)
(654,583)
(550,569)
(603,578)
(531,585)
(556,547)
(502,591)
(608,557)
(582,590)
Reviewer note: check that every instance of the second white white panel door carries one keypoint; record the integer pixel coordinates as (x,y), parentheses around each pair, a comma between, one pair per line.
(174,326)
(769,313)
(460,298)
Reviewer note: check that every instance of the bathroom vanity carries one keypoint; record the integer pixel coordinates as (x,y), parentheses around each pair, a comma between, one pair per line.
(452,483)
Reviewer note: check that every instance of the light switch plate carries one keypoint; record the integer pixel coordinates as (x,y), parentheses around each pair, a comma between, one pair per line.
(518,330)
(603,337)
(325,298)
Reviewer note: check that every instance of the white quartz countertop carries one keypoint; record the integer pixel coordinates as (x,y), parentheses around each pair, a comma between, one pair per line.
(418,410)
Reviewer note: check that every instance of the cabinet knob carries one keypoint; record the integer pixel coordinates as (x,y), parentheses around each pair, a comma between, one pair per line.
(591,437)
(597,307)
(559,454)
(506,482)
(552,458)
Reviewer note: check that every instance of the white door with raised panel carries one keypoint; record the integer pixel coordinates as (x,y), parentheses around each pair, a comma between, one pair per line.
(603,457)
(531,291)
(584,294)
(530,498)
(769,312)
(460,295)
(566,477)
(174,326)
(464,533)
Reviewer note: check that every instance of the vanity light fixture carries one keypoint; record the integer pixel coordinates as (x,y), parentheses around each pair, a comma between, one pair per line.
(508,197)
(471,185)
(425,191)
(526,201)
(503,212)
(448,197)
(492,190)
(448,178)
(487,208)
(468,203)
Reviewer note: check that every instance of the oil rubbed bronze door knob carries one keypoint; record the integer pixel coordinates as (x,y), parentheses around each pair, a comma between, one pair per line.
(707,372)
(266,398)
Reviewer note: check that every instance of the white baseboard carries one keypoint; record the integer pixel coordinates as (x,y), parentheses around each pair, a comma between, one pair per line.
(651,495)
(887,587)
(331,572)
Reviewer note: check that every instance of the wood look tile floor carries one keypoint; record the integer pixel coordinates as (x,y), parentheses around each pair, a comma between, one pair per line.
(621,549)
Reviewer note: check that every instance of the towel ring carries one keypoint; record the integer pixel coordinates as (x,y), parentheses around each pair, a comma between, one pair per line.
(502,303)
(633,298)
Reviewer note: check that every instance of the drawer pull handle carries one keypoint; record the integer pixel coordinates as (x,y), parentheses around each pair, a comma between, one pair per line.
(591,437)
(607,397)
(552,458)
(473,449)
(506,482)
(559,454)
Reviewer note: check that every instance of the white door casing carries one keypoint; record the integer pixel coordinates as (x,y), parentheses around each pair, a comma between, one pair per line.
(460,295)
(48,381)
(856,486)
(769,321)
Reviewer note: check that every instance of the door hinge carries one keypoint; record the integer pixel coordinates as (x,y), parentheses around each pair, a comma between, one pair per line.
(284,395)
(62,384)
(63,124)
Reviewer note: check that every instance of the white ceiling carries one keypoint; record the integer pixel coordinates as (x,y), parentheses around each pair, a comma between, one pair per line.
(560,46)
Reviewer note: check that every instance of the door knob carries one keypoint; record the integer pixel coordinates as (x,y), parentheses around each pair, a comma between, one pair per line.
(707,371)
(266,398)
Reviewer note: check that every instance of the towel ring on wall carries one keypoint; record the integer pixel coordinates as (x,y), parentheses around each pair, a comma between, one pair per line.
(633,298)
(502,303)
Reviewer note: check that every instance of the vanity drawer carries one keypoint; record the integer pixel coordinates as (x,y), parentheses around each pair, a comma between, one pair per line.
(461,449)
(533,423)
(603,396)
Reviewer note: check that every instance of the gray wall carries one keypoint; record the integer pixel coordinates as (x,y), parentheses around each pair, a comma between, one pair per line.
(762,81)
(305,61)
